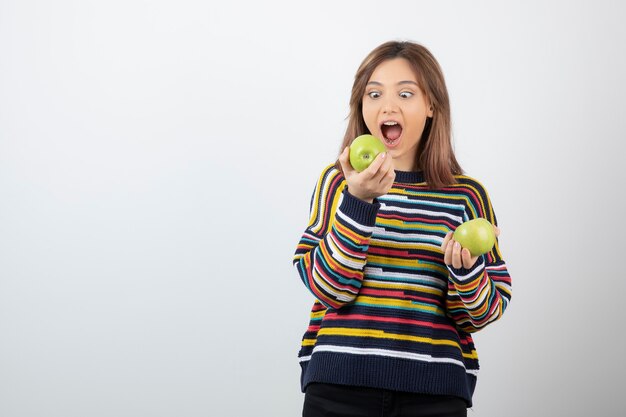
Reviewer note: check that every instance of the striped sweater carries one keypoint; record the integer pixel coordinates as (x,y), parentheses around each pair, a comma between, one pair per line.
(389,313)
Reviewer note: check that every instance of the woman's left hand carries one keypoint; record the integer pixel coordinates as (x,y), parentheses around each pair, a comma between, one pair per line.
(455,255)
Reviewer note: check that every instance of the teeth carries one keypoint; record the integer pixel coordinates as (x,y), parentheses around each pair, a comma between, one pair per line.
(390,123)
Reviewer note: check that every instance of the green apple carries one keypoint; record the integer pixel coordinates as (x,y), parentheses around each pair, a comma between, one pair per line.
(477,235)
(364,150)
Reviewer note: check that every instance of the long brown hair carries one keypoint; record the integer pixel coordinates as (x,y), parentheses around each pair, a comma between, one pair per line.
(435,156)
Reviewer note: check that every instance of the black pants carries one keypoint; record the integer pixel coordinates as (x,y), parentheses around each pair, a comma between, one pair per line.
(328,400)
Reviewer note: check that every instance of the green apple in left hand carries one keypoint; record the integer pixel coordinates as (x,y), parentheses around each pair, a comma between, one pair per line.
(477,235)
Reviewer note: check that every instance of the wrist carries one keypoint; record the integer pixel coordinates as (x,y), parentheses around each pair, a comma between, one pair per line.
(360,197)
(358,210)
(463,274)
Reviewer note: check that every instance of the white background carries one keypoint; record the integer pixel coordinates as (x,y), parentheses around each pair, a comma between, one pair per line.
(156,164)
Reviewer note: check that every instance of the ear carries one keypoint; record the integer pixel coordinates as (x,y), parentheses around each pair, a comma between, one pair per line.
(430,111)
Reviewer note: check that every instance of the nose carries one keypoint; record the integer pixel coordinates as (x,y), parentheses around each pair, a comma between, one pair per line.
(389,105)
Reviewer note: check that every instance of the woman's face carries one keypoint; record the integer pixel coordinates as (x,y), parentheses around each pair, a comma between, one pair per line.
(395,110)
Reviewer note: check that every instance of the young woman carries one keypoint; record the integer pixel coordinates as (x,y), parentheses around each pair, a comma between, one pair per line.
(396,297)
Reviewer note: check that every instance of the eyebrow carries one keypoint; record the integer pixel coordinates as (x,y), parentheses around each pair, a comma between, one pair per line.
(399,83)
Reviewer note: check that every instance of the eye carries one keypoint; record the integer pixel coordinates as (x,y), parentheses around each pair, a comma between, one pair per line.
(406,94)
(374,94)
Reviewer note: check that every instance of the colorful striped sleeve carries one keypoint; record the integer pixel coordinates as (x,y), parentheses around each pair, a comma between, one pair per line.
(331,254)
(479,295)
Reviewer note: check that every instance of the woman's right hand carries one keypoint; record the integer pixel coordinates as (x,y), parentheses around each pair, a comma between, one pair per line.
(374,181)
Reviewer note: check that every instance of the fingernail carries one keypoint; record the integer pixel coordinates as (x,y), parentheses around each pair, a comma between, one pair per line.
(384,155)
(457,245)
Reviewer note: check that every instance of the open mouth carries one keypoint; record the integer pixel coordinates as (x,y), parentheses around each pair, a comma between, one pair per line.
(391,131)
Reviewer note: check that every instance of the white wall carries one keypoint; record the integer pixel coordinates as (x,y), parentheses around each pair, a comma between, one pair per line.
(156,164)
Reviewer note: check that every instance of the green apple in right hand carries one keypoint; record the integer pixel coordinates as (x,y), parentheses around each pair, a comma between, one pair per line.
(364,150)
